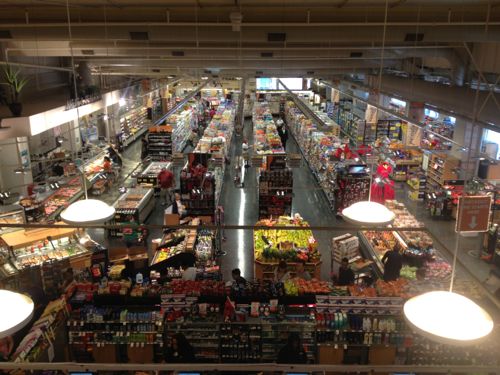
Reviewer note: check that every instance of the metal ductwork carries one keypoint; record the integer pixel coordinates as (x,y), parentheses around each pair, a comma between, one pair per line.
(458,100)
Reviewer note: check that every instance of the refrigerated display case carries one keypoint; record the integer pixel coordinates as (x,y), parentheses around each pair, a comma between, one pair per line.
(32,248)
(149,176)
(11,214)
(134,206)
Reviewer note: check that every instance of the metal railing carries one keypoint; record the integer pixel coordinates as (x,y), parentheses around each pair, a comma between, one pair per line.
(246,368)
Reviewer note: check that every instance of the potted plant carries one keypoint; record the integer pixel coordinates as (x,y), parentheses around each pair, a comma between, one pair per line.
(16,84)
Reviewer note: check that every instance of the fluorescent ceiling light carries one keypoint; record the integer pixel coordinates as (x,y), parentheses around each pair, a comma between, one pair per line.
(368,214)
(17,311)
(88,211)
(448,317)
(204,78)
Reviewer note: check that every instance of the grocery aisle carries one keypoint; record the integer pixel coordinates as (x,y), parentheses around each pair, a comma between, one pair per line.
(310,202)
(240,208)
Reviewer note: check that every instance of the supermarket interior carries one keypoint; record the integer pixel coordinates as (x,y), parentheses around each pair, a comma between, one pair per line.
(210,186)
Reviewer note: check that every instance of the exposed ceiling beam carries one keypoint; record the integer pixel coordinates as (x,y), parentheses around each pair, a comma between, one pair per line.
(35,66)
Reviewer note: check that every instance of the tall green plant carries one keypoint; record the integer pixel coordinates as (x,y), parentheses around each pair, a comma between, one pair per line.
(14,81)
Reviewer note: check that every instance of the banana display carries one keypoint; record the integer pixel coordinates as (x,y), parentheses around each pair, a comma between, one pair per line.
(289,245)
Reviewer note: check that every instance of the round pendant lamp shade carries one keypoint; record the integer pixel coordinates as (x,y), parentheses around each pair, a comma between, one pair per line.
(368,214)
(88,211)
(16,312)
(448,317)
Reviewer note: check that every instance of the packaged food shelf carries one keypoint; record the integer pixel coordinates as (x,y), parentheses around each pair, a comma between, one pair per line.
(160,143)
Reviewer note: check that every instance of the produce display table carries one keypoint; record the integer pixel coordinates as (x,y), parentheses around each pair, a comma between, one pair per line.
(265,270)
(273,245)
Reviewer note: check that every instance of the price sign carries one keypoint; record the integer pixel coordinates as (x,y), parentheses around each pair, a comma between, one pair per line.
(473,214)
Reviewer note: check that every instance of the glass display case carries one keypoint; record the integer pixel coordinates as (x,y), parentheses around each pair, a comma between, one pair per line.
(30,248)
(11,214)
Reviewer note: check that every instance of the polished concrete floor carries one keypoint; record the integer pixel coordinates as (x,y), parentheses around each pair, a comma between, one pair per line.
(241,208)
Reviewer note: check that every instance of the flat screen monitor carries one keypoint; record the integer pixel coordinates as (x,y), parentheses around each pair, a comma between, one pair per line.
(357,169)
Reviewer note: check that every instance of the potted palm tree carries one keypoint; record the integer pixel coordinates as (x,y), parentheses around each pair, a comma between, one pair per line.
(15,83)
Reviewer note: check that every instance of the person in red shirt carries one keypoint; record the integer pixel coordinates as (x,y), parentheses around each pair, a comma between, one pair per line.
(166,183)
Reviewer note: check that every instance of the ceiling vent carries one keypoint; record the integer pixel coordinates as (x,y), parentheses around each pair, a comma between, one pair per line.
(414,37)
(178,53)
(207,71)
(5,34)
(155,70)
(310,73)
(139,35)
(259,72)
(276,37)
(88,52)
(266,54)
(356,54)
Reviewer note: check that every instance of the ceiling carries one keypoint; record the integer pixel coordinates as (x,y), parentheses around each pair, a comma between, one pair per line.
(321,38)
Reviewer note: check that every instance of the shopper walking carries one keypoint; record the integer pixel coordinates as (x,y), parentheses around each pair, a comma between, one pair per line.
(293,351)
(393,262)
(166,181)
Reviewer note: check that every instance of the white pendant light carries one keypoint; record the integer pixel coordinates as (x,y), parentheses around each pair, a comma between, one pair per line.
(448,317)
(368,213)
(16,312)
(88,211)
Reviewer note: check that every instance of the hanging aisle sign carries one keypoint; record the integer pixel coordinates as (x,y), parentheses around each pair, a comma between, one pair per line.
(473,214)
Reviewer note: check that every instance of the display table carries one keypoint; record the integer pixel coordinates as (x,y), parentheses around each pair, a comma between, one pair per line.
(290,245)
(265,270)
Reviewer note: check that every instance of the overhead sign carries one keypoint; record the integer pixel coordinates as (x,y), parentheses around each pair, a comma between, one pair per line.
(473,214)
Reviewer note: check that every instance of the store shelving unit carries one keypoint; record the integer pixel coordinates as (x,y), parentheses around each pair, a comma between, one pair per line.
(392,129)
(160,143)
(275,192)
(182,124)
(441,168)
(116,334)
(133,125)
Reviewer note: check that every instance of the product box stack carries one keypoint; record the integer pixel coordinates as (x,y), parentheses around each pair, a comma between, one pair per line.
(345,246)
